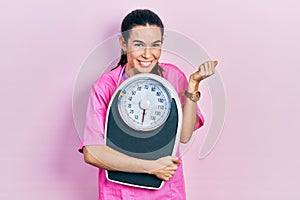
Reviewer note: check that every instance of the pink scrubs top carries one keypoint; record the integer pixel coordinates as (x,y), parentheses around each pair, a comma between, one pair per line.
(99,98)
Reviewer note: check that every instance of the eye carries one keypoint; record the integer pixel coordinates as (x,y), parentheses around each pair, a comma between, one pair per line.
(156,45)
(138,45)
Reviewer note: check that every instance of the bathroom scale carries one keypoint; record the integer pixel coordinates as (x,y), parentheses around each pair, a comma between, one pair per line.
(143,120)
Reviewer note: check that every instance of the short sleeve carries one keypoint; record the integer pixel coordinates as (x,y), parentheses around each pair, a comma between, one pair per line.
(95,120)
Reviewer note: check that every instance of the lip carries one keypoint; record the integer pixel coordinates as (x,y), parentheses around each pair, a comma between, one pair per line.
(145,64)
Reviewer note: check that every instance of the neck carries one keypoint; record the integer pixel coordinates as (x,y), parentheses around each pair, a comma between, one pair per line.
(130,71)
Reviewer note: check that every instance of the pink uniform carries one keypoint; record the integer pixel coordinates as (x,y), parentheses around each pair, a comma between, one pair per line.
(94,130)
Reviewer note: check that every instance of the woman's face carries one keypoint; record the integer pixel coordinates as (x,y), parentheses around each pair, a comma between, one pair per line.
(143,49)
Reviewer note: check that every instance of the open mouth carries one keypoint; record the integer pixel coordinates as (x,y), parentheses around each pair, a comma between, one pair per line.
(145,63)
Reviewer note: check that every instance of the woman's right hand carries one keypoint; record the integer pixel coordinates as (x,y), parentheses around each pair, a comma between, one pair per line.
(164,168)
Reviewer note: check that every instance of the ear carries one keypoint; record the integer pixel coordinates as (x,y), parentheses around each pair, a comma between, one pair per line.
(162,39)
(122,43)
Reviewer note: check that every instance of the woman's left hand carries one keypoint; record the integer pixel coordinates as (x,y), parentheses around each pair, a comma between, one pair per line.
(205,70)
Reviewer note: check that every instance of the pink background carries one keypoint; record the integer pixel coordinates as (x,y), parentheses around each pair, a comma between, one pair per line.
(257,43)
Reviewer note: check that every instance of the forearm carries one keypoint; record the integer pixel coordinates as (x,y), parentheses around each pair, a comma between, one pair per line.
(189,115)
(104,157)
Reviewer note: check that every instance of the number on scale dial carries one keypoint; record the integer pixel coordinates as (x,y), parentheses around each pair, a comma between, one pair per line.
(144,104)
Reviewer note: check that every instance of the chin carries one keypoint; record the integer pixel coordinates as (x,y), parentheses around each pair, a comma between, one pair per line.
(143,70)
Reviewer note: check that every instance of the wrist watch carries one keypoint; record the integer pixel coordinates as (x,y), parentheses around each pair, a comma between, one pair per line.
(194,96)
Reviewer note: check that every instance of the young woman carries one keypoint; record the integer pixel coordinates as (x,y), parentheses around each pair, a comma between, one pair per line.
(141,43)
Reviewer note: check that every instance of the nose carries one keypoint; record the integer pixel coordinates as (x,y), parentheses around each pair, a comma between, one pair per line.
(147,52)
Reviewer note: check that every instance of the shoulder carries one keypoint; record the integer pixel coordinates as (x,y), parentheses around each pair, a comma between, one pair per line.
(108,79)
(104,87)
(171,70)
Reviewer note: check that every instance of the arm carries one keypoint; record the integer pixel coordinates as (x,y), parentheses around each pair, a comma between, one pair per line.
(104,157)
(190,107)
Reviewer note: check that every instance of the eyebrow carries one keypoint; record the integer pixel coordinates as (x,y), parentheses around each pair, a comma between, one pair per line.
(143,42)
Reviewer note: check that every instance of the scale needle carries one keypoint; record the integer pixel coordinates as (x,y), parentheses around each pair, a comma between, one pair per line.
(143,116)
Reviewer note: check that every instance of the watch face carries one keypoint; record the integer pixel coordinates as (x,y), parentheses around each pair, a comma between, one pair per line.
(144,104)
(197,96)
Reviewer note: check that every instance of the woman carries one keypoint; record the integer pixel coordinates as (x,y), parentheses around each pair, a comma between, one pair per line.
(141,42)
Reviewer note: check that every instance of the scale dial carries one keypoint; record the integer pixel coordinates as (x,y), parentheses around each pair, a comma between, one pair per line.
(144,104)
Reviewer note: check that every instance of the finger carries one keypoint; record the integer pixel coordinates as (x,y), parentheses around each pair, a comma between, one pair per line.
(172,173)
(172,168)
(215,63)
(175,159)
(211,68)
(207,64)
(199,68)
(208,69)
(168,177)
(202,70)
(178,161)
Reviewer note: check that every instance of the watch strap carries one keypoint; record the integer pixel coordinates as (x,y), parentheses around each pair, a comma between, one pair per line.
(193,96)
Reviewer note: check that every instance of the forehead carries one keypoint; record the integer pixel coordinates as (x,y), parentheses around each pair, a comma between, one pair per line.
(145,33)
